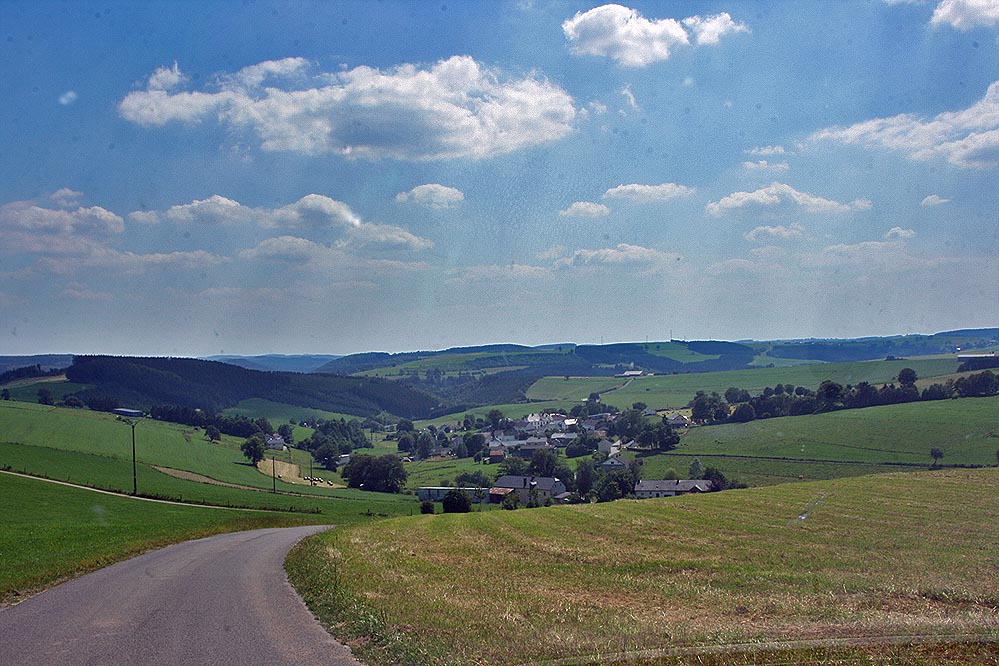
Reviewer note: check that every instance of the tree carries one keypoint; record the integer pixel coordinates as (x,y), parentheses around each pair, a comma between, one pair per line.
(287,432)
(936,454)
(628,424)
(474,442)
(264,425)
(213,434)
(426,506)
(495,417)
(640,406)
(253,448)
(474,479)
(696,470)
(44,396)
(457,501)
(829,394)
(734,395)
(659,436)
(907,377)
(5,394)
(404,425)
(744,413)
(586,476)
(510,502)
(543,463)
(406,443)
(514,466)
(384,473)
(424,444)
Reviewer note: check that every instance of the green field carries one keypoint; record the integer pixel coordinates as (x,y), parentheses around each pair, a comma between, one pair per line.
(52,532)
(279,412)
(27,389)
(900,554)
(675,391)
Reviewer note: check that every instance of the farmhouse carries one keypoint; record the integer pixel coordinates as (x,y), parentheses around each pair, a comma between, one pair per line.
(613,464)
(669,488)
(275,442)
(497,455)
(541,487)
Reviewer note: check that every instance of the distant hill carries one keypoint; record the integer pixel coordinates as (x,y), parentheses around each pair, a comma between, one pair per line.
(46,361)
(214,386)
(869,349)
(277,362)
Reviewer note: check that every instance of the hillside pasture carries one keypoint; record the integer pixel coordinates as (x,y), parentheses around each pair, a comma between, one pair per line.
(52,532)
(674,391)
(903,555)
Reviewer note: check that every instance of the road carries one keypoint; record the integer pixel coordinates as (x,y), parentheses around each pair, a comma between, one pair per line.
(223,600)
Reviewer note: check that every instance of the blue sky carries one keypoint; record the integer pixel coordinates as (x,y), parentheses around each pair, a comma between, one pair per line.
(201,178)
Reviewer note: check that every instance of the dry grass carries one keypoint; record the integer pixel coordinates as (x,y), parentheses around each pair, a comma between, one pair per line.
(907,554)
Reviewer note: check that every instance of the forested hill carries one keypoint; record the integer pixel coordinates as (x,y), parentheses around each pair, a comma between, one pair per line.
(214,386)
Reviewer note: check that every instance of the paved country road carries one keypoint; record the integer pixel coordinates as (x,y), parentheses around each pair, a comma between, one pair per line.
(223,600)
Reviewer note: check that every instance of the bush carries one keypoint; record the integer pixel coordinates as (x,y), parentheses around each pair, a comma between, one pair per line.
(457,501)
(426,506)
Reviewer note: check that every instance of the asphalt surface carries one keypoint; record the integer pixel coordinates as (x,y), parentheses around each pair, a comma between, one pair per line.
(224,600)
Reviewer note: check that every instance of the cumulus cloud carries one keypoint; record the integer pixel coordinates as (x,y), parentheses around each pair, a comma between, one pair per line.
(432,195)
(966,14)
(586,209)
(313,212)
(764,165)
(967,138)
(767,151)
(68,97)
(710,29)
(66,198)
(621,254)
(648,193)
(456,108)
(777,194)
(27,226)
(899,233)
(769,234)
(933,200)
(166,78)
(285,248)
(134,263)
(631,40)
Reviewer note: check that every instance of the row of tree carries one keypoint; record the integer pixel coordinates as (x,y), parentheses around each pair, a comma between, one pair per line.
(786,400)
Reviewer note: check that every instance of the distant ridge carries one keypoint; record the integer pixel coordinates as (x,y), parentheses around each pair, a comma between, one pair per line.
(276,362)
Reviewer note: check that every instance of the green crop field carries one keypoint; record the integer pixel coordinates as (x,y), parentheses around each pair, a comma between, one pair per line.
(27,389)
(674,391)
(906,555)
(52,532)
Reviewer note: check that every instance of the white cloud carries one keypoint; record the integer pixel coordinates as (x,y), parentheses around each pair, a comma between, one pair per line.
(764,165)
(456,108)
(967,138)
(631,40)
(66,198)
(285,248)
(496,273)
(966,14)
(552,253)
(768,234)
(766,151)
(933,200)
(79,292)
(710,29)
(621,254)
(899,232)
(132,263)
(313,212)
(782,194)
(68,97)
(433,196)
(166,78)
(629,97)
(648,193)
(586,209)
(28,227)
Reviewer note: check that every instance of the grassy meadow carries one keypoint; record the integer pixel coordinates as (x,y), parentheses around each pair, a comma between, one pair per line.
(52,532)
(910,554)
(675,391)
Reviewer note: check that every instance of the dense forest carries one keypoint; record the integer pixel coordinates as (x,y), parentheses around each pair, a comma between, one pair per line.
(213,386)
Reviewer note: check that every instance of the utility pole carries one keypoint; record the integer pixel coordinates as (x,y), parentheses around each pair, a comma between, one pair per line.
(135,482)
(273,477)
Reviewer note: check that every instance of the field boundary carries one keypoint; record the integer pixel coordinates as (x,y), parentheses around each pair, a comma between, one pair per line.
(775,646)
(135,497)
